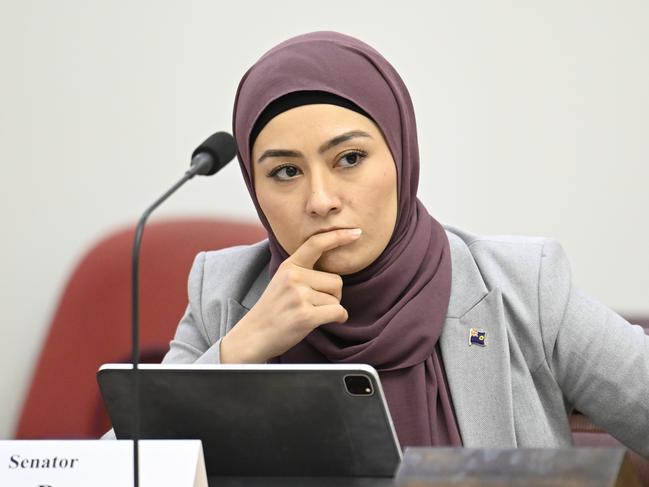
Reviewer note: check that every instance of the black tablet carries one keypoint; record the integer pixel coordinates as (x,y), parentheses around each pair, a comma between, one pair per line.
(262,420)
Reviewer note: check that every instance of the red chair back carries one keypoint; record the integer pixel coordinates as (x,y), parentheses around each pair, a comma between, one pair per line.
(92,323)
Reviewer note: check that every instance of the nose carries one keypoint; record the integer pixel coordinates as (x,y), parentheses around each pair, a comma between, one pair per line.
(323,198)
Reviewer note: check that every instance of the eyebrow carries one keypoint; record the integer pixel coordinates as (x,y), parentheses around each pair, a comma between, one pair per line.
(339,139)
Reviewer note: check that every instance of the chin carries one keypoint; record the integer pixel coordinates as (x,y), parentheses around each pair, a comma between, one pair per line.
(341,270)
(336,262)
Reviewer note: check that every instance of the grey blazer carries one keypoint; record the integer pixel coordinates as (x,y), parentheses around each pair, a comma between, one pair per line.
(549,348)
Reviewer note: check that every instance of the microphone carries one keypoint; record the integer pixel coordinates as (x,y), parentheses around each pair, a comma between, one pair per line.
(208,158)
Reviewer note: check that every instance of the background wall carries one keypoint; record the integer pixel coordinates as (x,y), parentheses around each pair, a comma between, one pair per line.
(533,118)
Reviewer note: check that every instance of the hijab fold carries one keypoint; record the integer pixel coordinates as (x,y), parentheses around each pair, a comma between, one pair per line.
(397,305)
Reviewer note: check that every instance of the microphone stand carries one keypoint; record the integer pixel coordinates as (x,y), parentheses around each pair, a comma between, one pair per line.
(202,163)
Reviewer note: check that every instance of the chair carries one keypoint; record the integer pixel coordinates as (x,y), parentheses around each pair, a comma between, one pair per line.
(92,322)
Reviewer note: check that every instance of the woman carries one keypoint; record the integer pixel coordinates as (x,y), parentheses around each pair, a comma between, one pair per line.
(479,341)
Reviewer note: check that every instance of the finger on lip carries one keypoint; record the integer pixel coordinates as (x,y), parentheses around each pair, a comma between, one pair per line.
(351,231)
(312,249)
(332,239)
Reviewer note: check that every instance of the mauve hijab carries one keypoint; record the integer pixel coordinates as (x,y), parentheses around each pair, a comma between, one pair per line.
(396,305)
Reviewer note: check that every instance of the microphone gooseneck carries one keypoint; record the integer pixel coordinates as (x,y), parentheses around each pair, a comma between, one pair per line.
(208,158)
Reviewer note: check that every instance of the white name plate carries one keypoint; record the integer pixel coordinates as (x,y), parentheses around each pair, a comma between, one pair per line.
(101,463)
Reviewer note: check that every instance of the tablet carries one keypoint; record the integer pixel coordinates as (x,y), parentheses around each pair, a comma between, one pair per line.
(262,419)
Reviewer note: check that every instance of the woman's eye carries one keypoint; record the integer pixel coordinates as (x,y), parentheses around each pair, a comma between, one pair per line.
(352,158)
(284,173)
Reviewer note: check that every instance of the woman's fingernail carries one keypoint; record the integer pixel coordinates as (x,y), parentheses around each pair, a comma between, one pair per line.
(355,231)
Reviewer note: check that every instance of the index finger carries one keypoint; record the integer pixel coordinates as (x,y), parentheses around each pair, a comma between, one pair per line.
(313,247)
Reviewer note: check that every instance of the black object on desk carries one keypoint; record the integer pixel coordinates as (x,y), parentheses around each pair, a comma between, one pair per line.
(315,424)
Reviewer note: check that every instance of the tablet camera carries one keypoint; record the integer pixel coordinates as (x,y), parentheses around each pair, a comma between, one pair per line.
(358,385)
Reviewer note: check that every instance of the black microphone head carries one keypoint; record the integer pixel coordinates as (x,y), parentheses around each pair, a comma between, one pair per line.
(219,147)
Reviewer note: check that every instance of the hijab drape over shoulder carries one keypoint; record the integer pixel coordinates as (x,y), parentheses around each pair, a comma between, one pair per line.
(397,305)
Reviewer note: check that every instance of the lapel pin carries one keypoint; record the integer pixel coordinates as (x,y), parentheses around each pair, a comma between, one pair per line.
(477,336)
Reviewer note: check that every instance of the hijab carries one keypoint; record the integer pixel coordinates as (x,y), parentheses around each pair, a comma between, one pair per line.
(397,305)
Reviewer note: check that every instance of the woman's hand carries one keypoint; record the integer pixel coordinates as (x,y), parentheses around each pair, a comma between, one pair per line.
(297,300)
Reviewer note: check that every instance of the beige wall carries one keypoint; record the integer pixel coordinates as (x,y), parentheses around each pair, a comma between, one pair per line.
(533,119)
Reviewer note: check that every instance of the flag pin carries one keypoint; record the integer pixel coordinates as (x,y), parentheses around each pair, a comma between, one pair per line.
(477,336)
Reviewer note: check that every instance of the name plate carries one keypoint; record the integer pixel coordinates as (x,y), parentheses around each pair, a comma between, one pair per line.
(101,463)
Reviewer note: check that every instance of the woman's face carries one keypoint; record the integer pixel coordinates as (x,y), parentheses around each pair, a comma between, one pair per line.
(323,167)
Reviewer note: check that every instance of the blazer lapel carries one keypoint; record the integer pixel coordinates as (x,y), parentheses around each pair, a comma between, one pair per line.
(237,310)
(478,376)
(234,312)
